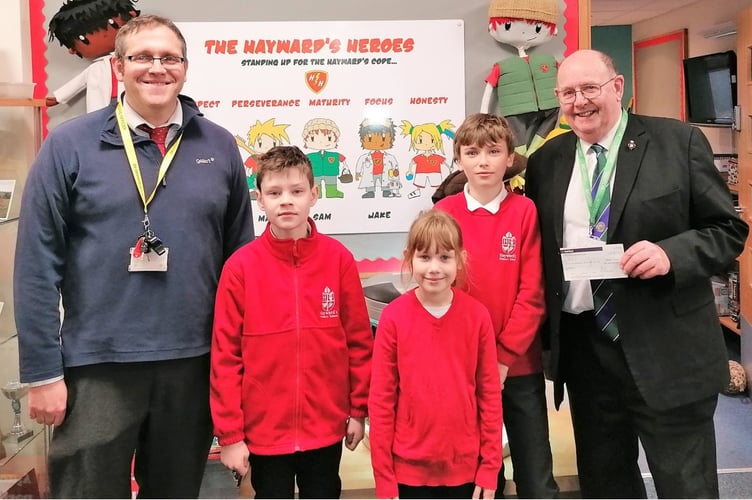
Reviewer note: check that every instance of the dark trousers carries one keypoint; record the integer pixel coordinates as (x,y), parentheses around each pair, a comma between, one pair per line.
(523,403)
(316,472)
(157,410)
(461,491)
(609,416)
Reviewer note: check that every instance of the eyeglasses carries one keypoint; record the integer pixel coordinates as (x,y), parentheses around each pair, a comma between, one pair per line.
(147,60)
(589,91)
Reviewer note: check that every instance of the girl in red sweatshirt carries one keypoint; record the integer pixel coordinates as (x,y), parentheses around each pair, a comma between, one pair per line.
(434,403)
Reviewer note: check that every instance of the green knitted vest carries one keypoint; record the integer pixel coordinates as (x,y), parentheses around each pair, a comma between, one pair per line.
(526,86)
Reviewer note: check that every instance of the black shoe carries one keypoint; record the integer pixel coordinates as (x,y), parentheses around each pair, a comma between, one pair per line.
(369,194)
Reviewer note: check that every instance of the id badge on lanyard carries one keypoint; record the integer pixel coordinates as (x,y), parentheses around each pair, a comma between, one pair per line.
(149,253)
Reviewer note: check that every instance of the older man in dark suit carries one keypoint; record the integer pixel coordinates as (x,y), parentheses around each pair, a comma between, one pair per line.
(642,356)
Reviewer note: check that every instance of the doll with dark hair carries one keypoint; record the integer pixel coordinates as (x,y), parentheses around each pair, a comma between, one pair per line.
(87,28)
(373,167)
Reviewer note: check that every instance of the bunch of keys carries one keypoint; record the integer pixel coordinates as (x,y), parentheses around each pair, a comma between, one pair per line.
(238,478)
(146,243)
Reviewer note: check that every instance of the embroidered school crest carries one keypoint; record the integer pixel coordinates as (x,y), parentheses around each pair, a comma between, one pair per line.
(328,304)
(316,80)
(508,247)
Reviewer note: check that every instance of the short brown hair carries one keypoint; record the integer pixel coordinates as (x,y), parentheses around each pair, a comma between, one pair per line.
(482,129)
(136,24)
(279,158)
(434,228)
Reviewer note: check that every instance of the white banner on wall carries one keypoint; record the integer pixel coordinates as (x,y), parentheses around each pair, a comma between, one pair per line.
(374,104)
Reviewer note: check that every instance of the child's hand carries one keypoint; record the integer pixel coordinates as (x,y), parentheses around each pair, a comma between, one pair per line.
(503,370)
(356,428)
(479,492)
(235,457)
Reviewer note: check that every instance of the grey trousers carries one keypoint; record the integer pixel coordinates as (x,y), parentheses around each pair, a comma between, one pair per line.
(158,411)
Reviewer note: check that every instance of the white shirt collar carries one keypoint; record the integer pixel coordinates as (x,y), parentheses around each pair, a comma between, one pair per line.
(133,119)
(492,206)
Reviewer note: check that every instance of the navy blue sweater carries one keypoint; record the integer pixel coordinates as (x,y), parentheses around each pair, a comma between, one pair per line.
(80,214)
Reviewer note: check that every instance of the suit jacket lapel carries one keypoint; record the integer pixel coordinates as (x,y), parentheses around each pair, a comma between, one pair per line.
(633,146)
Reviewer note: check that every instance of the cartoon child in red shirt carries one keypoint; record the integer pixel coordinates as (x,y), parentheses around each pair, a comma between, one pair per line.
(428,168)
(373,168)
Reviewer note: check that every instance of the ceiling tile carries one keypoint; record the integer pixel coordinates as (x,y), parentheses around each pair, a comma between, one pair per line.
(617,12)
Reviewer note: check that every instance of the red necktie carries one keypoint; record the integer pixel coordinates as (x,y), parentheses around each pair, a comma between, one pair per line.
(158,135)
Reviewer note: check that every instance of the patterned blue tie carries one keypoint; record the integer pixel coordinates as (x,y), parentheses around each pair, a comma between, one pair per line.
(605,314)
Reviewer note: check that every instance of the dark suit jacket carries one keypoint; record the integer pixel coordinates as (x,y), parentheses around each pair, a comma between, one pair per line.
(666,190)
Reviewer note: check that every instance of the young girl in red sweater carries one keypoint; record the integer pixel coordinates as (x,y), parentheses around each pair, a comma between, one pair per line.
(434,403)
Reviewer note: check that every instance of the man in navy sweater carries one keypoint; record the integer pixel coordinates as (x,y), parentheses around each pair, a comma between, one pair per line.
(129,213)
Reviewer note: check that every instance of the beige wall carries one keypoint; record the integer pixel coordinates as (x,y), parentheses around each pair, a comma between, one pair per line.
(15,50)
(696,18)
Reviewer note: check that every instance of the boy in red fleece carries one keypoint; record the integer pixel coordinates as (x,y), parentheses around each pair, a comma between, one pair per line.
(291,351)
(505,272)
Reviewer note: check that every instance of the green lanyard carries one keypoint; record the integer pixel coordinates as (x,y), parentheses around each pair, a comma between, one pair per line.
(130,152)
(594,204)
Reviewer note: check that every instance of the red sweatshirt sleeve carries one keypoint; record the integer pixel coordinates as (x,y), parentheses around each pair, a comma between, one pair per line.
(226,357)
(529,307)
(382,407)
(489,408)
(357,327)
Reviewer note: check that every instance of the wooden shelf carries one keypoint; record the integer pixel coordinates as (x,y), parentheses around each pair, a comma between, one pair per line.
(727,322)
(10,101)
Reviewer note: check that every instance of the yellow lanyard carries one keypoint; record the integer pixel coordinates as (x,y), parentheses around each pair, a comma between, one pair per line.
(130,152)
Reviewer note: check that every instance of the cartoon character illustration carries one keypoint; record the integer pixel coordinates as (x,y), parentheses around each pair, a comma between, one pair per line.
(261,138)
(428,167)
(524,85)
(322,135)
(88,28)
(393,182)
(372,168)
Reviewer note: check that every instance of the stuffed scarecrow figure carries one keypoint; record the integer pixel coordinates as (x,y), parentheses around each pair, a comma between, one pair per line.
(523,86)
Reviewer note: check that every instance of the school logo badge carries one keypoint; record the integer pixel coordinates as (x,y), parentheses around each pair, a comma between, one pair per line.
(316,80)
(508,247)
(328,304)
